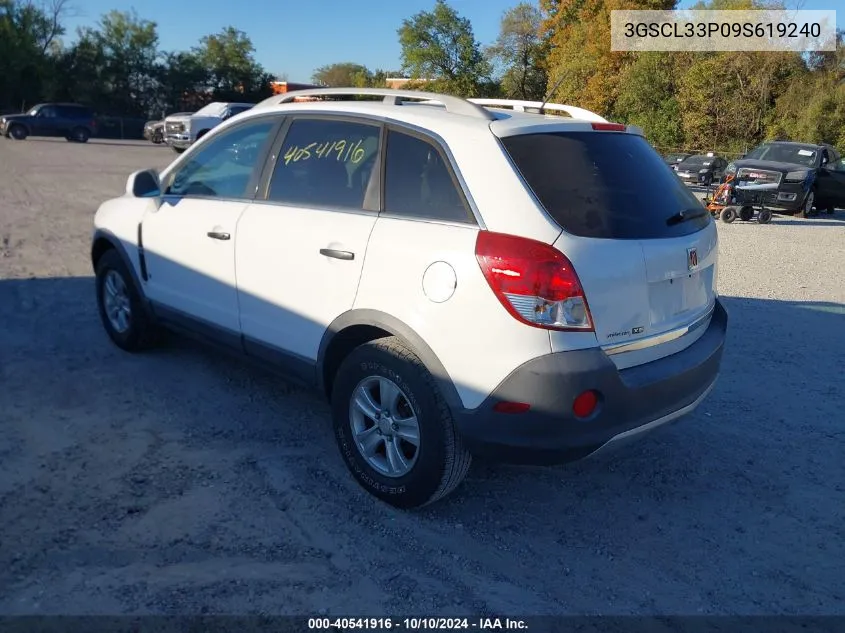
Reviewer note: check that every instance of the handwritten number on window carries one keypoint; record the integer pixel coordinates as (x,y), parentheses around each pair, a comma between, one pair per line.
(340,150)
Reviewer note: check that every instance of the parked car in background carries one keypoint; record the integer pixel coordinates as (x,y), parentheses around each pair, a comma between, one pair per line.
(450,289)
(790,178)
(182,130)
(76,123)
(673,159)
(701,169)
(154,131)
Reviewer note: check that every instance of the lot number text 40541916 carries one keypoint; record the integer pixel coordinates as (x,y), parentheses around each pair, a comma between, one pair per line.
(411,624)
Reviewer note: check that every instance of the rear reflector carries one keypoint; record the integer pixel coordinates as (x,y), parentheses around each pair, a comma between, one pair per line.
(511,407)
(534,281)
(610,127)
(585,404)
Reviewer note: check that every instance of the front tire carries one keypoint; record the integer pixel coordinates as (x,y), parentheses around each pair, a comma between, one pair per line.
(806,209)
(728,215)
(120,306)
(393,427)
(178,150)
(18,132)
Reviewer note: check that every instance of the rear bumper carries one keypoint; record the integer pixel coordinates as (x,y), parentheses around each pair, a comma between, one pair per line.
(632,401)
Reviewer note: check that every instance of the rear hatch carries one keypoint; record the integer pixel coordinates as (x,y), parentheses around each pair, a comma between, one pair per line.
(643,246)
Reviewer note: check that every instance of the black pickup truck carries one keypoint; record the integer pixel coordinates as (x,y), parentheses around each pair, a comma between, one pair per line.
(790,178)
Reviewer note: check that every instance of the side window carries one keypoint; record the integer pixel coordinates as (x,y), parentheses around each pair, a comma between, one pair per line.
(48,112)
(325,163)
(224,166)
(418,182)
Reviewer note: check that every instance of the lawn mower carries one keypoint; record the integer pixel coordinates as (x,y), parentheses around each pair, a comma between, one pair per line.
(723,203)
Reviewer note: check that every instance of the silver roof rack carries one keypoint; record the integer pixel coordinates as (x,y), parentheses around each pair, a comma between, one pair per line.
(456,105)
(527,106)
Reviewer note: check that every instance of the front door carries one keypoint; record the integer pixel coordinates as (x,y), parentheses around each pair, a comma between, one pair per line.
(301,250)
(189,237)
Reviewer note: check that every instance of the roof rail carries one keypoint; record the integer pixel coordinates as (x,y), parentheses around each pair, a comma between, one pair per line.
(526,106)
(456,105)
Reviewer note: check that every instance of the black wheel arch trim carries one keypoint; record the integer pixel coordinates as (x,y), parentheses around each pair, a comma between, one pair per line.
(117,244)
(395,327)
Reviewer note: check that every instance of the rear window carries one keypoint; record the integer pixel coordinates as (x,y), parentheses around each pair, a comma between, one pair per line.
(604,184)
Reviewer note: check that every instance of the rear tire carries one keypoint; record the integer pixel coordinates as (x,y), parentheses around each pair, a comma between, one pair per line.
(18,132)
(178,150)
(728,214)
(746,213)
(764,216)
(121,308)
(385,376)
(79,135)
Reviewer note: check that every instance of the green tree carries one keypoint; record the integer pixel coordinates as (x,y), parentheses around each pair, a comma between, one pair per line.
(233,72)
(520,53)
(581,63)
(343,74)
(647,98)
(28,35)
(440,45)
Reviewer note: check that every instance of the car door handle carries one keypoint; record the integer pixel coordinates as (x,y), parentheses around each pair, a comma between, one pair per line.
(217,235)
(330,252)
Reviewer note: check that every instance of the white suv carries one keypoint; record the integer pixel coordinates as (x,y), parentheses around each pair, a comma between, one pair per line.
(458,277)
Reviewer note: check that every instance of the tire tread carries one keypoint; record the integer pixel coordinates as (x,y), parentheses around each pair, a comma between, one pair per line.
(458,458)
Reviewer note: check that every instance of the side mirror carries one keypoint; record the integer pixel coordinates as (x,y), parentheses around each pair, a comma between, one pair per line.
(143,184)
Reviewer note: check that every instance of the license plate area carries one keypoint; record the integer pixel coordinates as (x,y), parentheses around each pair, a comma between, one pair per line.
(672,300)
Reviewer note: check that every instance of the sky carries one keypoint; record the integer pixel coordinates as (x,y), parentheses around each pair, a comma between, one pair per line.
(294,37)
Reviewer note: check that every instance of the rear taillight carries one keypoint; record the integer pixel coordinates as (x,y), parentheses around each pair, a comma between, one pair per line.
(534,281)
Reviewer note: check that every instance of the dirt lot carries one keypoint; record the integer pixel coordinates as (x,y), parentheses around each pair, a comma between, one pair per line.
(181,481)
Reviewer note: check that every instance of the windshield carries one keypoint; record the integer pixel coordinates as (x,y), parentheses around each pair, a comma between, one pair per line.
(781,153)
(34,110)
(604,185)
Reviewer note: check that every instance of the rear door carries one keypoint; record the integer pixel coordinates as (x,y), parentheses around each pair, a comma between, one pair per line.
(301,248)
(643,246)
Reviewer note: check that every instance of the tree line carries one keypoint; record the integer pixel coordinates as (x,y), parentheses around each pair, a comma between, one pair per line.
(726,100)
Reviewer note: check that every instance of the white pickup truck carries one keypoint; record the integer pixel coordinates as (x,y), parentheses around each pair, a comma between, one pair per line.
(180,130)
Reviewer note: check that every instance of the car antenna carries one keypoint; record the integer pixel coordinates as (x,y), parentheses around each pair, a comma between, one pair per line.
(551,92)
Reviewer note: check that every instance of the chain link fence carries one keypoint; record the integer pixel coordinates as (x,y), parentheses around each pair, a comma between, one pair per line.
(122,128)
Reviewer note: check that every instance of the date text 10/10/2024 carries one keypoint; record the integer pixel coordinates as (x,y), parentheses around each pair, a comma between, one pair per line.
(427,624)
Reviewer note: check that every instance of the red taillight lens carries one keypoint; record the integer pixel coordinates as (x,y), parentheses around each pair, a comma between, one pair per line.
(534,281)
(609,127)
(585,404)
(511,407)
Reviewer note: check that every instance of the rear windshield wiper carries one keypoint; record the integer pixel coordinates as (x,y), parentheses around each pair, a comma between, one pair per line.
(686,214)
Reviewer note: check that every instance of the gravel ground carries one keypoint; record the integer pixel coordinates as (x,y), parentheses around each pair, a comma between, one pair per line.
(181,481)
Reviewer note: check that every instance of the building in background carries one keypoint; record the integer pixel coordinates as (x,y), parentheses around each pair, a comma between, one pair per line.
(404,83)
(281,87)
